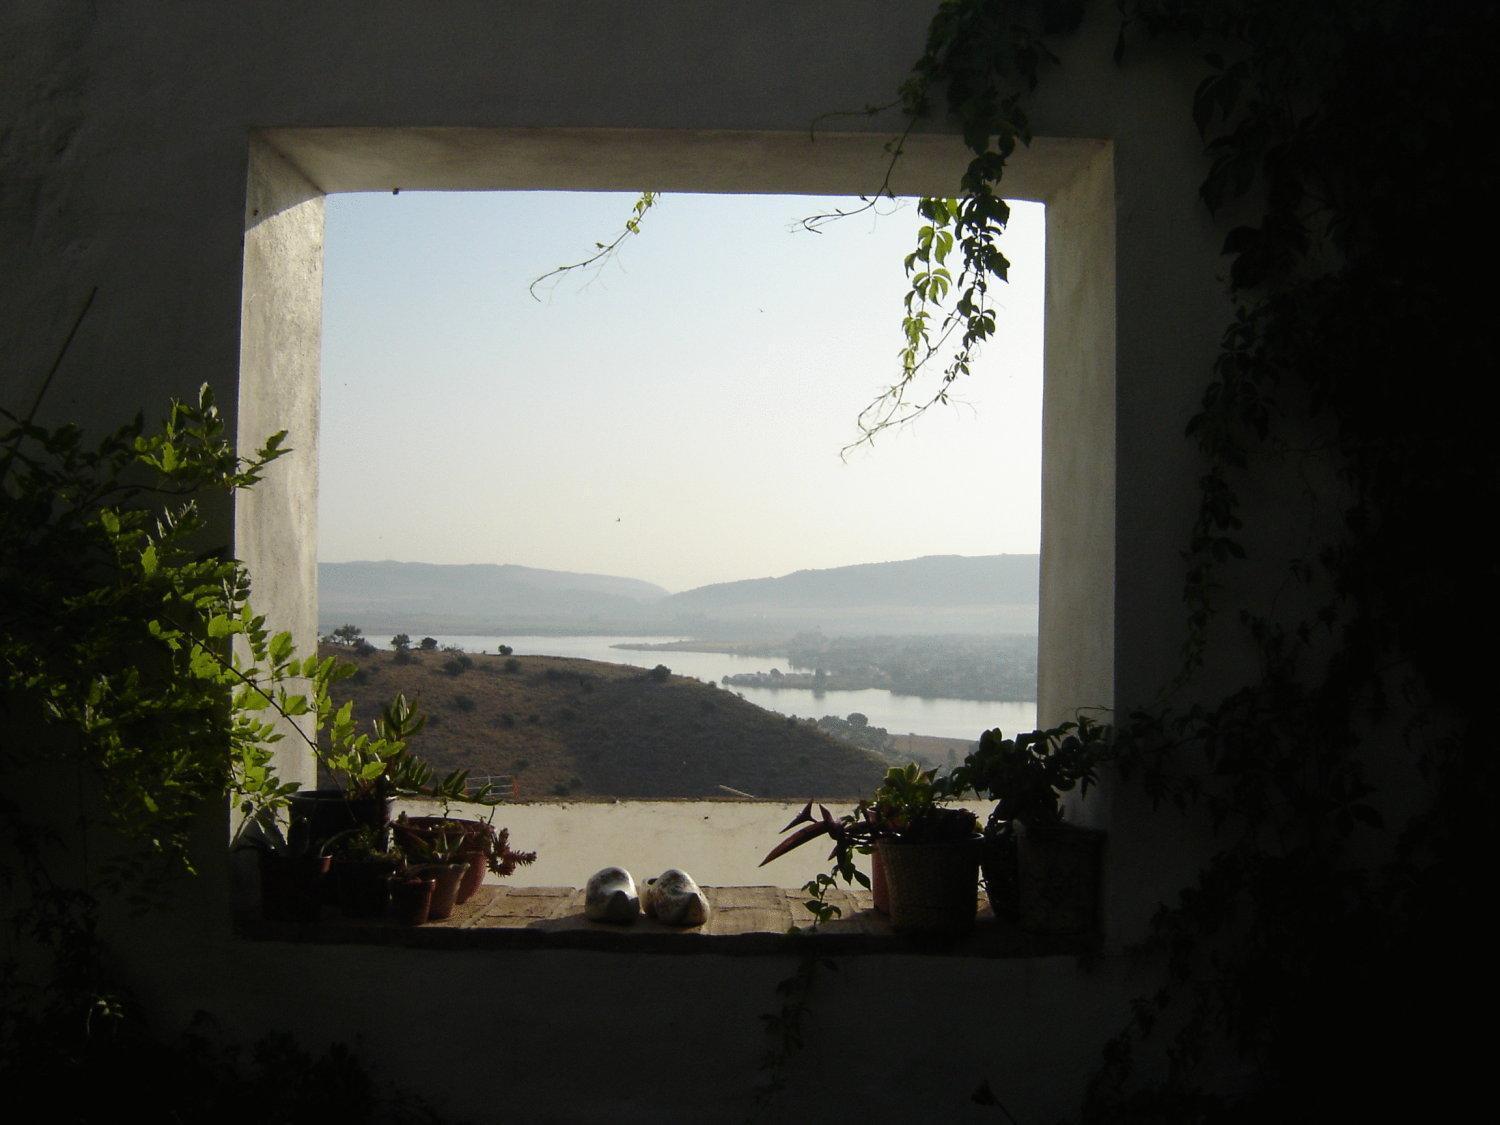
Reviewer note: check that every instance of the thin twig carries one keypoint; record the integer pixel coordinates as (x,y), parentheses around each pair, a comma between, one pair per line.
(36,404)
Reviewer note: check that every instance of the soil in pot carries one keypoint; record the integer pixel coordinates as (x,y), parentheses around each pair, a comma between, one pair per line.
(410,898)
(932,888)
(291,887)
(1058,875)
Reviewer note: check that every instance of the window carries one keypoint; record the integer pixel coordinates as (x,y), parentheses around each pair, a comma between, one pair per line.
(291,169)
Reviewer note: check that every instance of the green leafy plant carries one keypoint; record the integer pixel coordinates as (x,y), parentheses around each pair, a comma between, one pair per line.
(906,806)
(115,634)
(1026,776)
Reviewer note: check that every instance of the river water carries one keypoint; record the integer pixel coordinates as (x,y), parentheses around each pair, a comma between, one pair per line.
(899,714)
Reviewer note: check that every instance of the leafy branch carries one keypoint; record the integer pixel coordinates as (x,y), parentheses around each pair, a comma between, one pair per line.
(603,251)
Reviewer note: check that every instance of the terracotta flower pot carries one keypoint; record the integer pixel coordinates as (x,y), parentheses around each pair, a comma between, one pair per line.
(448,876)
(410,898)
(473,849)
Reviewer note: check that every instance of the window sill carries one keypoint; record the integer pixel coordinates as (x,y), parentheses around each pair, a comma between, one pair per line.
(745,921)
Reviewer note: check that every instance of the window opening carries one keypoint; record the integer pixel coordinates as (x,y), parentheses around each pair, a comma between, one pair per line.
(642,458)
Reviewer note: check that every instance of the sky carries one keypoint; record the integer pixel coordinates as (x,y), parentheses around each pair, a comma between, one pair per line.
(677,416)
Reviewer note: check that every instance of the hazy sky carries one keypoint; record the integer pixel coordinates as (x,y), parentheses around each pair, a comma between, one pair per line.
(679,417)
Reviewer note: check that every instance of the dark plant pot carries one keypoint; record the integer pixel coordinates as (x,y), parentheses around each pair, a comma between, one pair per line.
(1057,871)
(328,812)
(410,899)
(363,886)
(291,887)
(933,888)
(997,863)
(448,876)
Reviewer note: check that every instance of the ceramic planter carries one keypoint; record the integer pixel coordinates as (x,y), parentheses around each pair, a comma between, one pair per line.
(1058,878)
(447,877)
(410,898)
(932,888)
(997,862)
(330,811)
(363,886)
(473,849)
(291,887)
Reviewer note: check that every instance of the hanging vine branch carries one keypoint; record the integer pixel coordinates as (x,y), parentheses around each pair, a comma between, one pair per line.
(603,251)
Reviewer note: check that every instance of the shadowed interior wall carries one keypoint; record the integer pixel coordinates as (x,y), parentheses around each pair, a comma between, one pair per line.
(131,136)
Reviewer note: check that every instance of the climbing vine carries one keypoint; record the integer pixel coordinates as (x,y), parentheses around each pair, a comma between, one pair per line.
(1344,777)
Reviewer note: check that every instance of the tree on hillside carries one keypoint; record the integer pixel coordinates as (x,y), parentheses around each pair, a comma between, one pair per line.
(428,644)
(401,642)
(347,635)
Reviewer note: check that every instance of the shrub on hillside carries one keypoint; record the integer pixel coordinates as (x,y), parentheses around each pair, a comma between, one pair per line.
(463,702)
(512,665)
(660,673)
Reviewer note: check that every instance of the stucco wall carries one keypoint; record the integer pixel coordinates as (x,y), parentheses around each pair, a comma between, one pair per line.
(124,164)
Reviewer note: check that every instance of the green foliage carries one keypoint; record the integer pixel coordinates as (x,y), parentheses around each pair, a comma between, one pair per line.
(116,668)
(603,251)
(349,636)
(428,644)
(1027,775)
(1341,401)
(660,674)
(907,805)
(401,642)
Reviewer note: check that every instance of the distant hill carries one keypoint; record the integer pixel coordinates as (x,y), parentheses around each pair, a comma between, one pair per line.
(938,594)
(434,598)
(576,729)
(934,594)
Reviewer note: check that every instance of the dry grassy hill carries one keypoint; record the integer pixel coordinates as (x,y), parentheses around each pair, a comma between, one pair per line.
(579,729)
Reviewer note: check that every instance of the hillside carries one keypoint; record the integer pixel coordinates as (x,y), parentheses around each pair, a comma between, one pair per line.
(934,580)
(580,729)
(953,594)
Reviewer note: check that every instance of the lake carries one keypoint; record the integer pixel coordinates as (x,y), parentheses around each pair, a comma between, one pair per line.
(899,714)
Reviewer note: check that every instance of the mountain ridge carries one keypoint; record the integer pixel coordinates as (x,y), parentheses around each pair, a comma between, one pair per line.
(929,594)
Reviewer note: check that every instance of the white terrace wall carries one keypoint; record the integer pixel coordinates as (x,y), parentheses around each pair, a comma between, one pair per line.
(175,156)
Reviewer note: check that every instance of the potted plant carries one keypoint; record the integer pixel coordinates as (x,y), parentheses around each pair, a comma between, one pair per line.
(436,850)
(371,770)
(929,851)
(362,868)
(1039,869)
(411,890)
(293,870)
(476,843)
